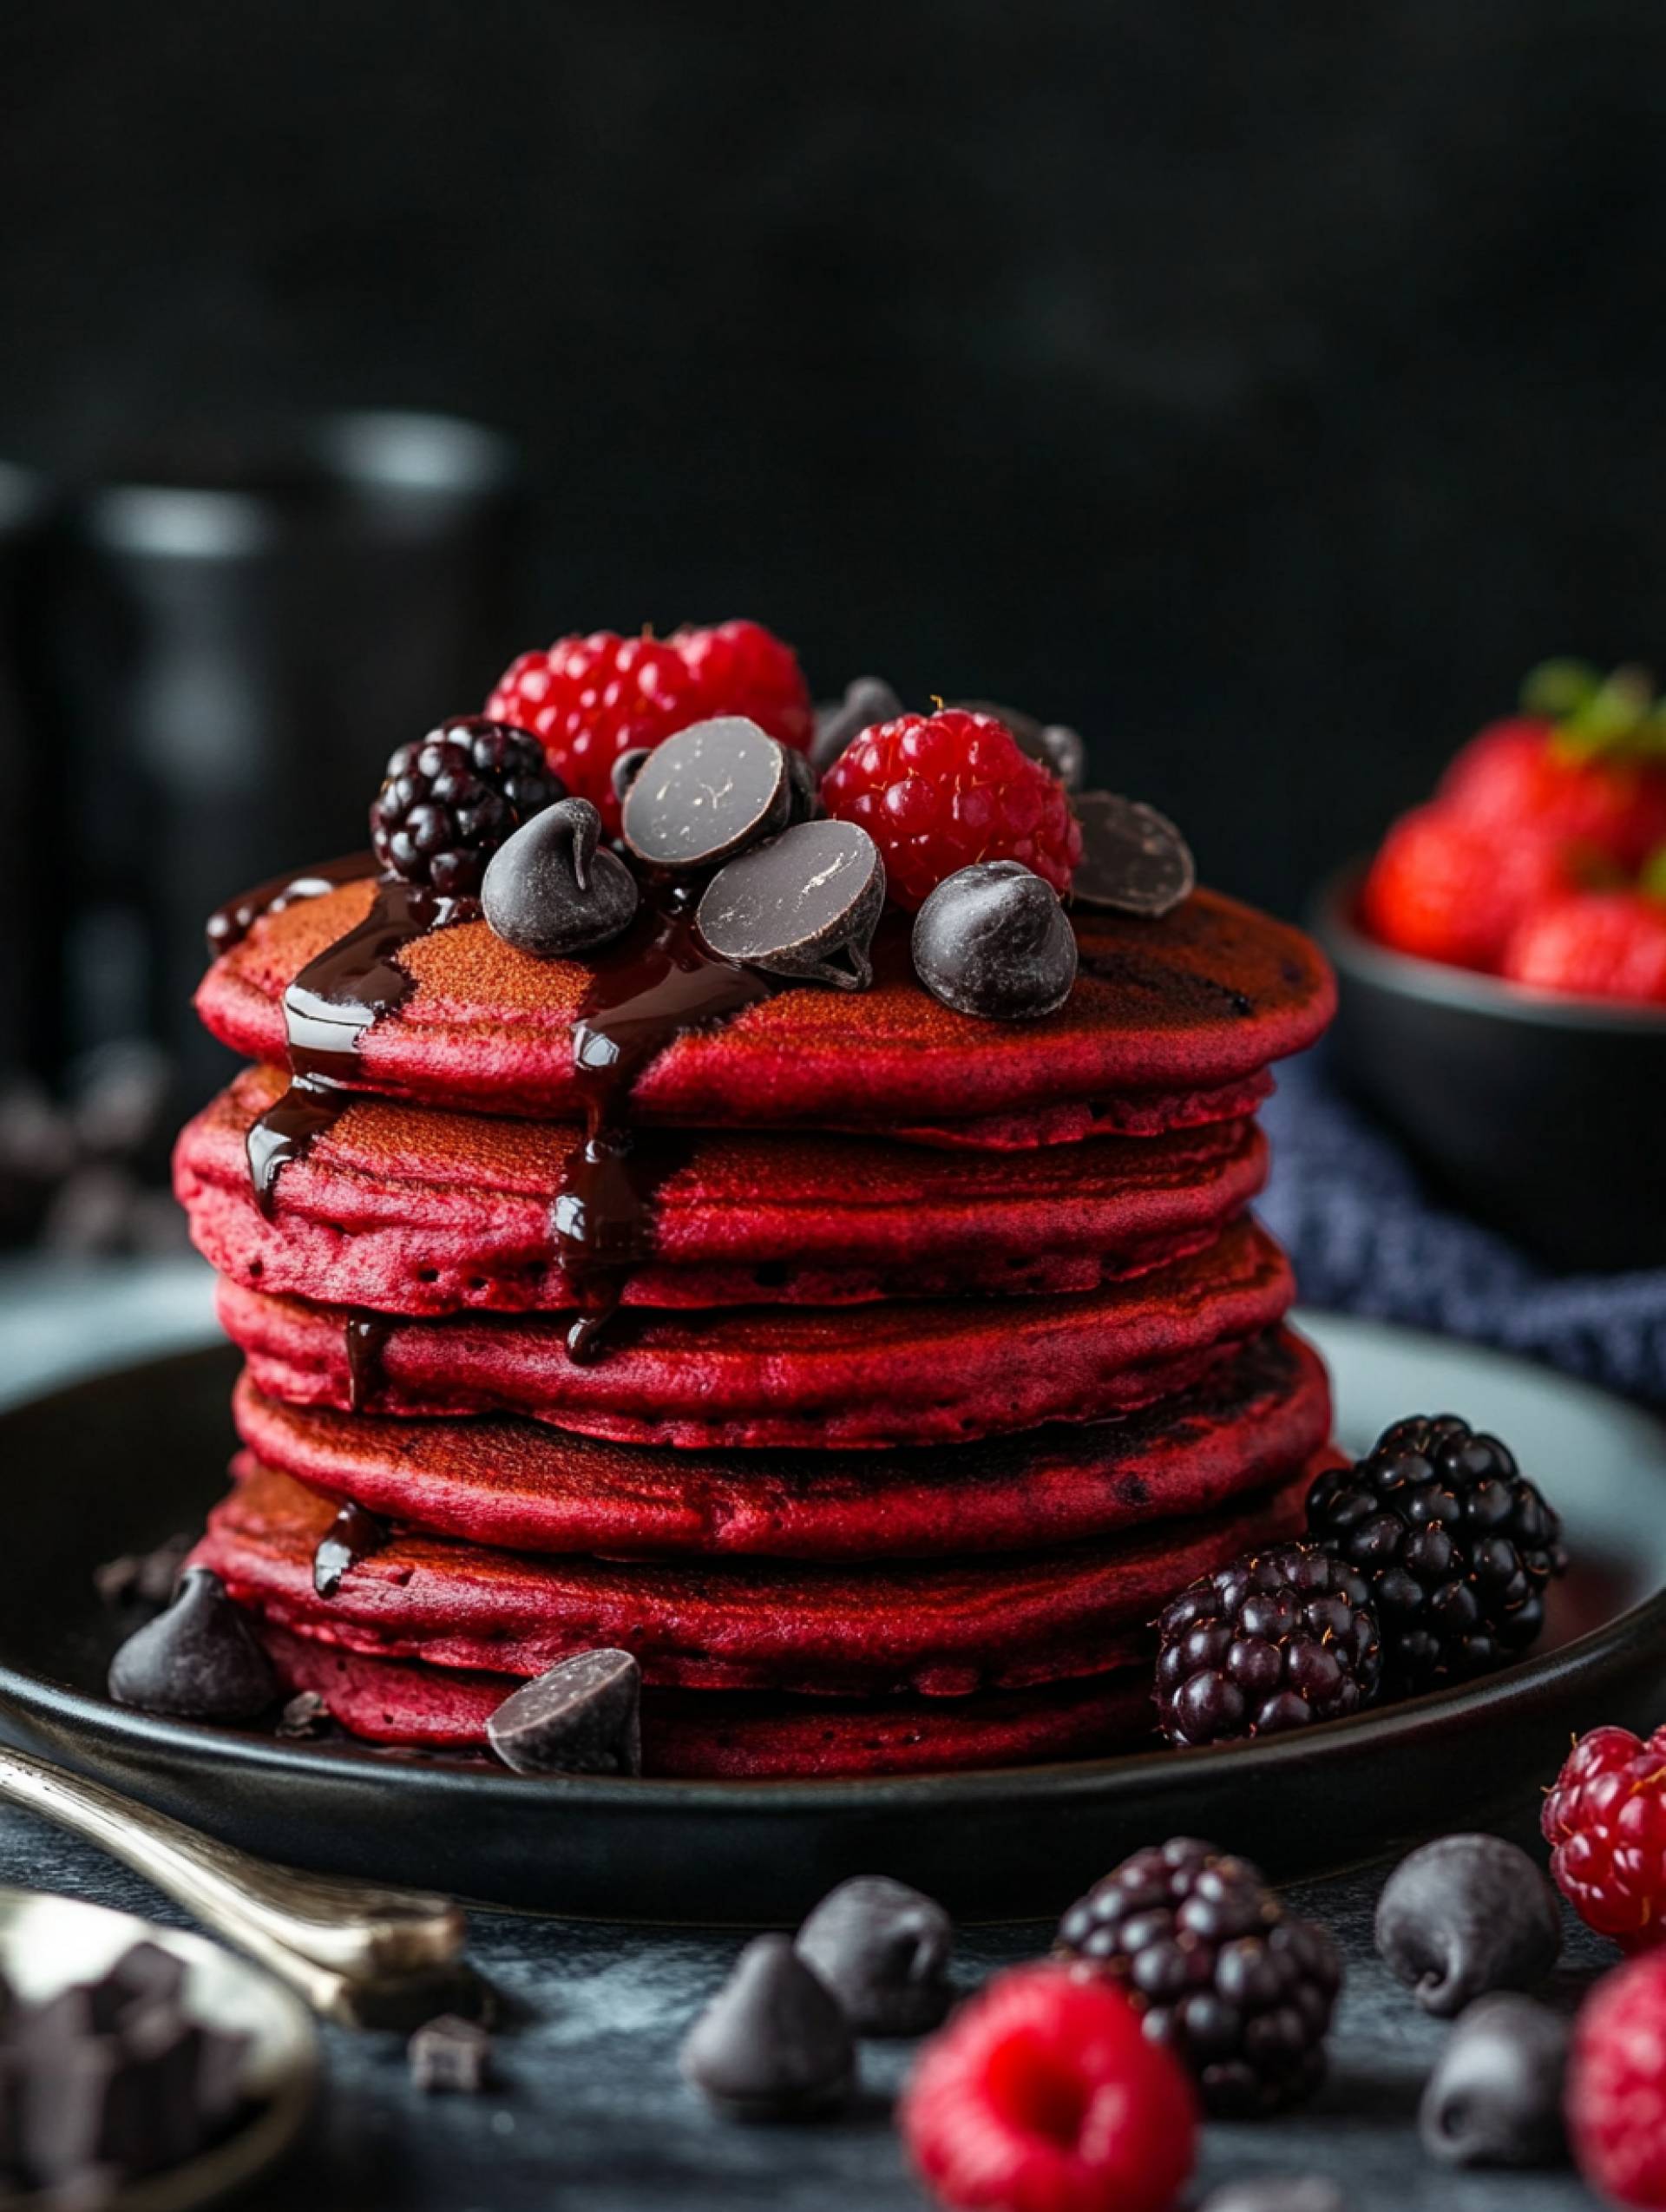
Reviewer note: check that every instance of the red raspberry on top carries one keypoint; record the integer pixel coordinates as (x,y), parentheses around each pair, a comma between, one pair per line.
(1529,774)
(1451,889)
(1604,944)
(1606,1820)
(1045,2095)
(938,791)
(1616,2082)
(590,700)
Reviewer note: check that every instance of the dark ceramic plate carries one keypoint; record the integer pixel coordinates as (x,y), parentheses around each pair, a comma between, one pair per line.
(118,1462)
(1540,1113)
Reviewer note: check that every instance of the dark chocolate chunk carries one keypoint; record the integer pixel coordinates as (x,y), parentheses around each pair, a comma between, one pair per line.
(554,889)
(883,1950)
(1495,2096)
(583,1717)
(706,793)
(305,1718)
(198,1661)
(1054,744)
(806,905)
(993,941)
(805,801)
(1134,860)
(451,2054)
(870,699)
(1277,2193)
(1467,1915)
(626,770)
(143,1578)
(147,1974)
(773,2043)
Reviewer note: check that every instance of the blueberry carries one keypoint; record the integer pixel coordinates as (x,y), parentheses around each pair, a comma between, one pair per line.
(993,941)
(773,2043)
(552,890)
(198,1661)
(1495,2098)
(1465,1915)
(883,1950)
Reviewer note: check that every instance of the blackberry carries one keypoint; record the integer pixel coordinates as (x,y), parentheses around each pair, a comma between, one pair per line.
(450,801)
(1456,1544)
(1238,1989)
(1278,1639)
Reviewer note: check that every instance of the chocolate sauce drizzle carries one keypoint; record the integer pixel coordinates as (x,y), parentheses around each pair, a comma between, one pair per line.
(367,1335)
(654,986)
(327,1010)
(353,1535)
(229,925)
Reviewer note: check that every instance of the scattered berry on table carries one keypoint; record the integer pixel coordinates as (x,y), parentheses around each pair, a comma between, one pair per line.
(1448,889)
(1279,1638)
(1044,2094)
(1465,1915)
(1238,1988)
(1495,2096)
(883,1950)
(1455,1544)
(938,791)
(1599,944)
(448,802)
(1605,1821)
(588,700)
(1617,2084)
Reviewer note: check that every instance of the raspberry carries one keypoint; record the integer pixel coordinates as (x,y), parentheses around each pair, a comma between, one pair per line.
(1523,775)
(447,803)
(1600,944)
(1617,2083)
(1455,1544)
(1044,2094)
(1277,1639)
(1449,888)
(1218,1972)
(938,791)
(1606,1820)
(591,698)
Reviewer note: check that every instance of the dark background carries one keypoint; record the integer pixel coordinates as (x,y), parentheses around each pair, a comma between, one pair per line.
(1262,389)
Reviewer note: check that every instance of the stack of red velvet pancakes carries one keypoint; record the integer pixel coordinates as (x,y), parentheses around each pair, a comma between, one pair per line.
(912,1360)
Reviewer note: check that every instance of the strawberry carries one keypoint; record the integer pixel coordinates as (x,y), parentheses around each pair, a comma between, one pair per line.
(1451,888)
(1597,944)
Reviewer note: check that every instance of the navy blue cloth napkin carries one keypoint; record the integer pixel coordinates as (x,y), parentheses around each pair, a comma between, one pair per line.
(1367,1237)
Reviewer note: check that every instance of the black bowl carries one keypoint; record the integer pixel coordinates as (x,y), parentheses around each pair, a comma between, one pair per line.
(1541,1114)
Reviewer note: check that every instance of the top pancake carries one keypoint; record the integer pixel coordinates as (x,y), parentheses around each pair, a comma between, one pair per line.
(1199,1001)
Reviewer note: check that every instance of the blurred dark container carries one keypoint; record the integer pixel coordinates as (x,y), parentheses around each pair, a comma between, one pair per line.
(31,871)
(1540,1115)
(247,632)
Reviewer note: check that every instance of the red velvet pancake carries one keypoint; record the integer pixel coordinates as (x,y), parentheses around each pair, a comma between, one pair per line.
(938,1629)
(417,1211)
(1206,997)
(532,1488)
(867,1376)
(740,1738)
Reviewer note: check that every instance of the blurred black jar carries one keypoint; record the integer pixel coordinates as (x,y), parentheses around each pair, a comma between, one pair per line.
(247,634)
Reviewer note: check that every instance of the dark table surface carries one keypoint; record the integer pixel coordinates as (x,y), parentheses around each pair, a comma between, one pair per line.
(589,2110)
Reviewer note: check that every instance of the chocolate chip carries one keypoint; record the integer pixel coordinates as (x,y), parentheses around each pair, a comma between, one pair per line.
(804,904)
(144,1579)
(451,2054)
(883,1950)
(1467,1915)
(1134,860)
(707,793)
(1054,744)
(305,1718)
(1277,2193)
(870,699)
(805,802)
(626,770)
(198,1661)
(1495,2096)
(993,941)
(773,2043)
(583,1717)
(553,890)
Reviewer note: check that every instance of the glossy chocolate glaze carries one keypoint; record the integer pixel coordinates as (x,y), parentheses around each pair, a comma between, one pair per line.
(228,925)
(367,1336)
(353,1535)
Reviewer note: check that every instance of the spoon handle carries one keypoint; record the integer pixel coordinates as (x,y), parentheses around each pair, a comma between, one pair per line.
(353,1930)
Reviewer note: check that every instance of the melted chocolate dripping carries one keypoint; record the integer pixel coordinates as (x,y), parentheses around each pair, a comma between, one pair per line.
(367,1335)
(229,925)
(658,983)
(353,1535)
(327,1010)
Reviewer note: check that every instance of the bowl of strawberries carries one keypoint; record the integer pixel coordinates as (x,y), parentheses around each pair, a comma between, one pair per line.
(1502,960)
